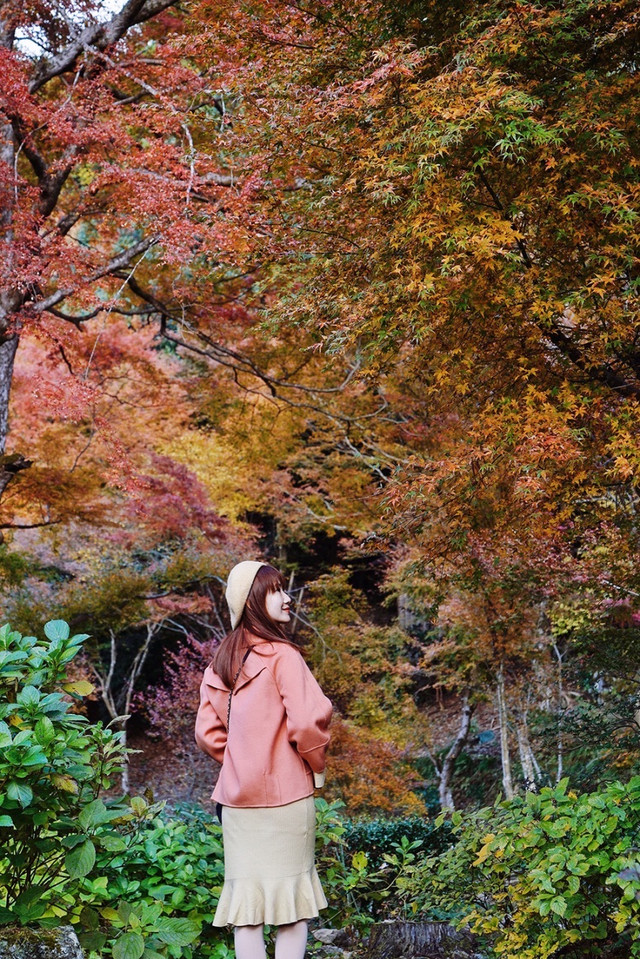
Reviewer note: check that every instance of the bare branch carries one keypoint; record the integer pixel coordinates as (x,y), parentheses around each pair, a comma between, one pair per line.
(47,522)
(119,261)
(76,320)
(98,36)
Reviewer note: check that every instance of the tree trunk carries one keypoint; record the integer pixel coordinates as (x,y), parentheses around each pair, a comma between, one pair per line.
(418,940)
(10,299)
(530,769)
(445,773)
(444,770)
(7,357)
(560,709)
(507,778)
(119,704)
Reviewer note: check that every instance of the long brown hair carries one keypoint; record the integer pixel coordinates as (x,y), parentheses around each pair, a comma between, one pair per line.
(254,620)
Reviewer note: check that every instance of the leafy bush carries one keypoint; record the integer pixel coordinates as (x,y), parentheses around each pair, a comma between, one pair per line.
(362,863)
(171,869)
(542,874)
(378,837)
(53,765)
(346,880)
(66,855)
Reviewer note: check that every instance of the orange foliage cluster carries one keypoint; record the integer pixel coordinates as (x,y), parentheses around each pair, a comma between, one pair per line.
(369,775)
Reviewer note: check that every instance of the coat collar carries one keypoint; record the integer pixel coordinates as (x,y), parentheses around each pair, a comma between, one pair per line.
(254,664)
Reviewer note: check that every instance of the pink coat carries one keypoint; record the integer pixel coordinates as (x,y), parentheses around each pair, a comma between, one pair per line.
(278,729)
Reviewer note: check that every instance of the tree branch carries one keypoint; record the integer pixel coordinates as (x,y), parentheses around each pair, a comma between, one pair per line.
(528,262)
(603,372)
(97,36)
(47,522)
(119,261)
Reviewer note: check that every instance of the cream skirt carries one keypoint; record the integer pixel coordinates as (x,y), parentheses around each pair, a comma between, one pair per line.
(269,871)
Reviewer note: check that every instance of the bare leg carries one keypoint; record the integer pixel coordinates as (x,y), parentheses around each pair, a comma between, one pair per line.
(249,942)
(291,941)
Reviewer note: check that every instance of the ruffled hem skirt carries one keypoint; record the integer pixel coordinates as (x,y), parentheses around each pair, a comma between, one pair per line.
(269,871)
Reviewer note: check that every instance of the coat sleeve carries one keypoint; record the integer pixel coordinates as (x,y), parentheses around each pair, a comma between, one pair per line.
(307,709)
(211,735)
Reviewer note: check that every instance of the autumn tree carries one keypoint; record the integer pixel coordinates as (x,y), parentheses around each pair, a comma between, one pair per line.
(467,235)
(110,177)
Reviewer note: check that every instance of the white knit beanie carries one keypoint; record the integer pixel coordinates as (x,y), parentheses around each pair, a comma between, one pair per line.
(239,583)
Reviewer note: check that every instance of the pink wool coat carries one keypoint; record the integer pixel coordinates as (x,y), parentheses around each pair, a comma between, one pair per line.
(279,728)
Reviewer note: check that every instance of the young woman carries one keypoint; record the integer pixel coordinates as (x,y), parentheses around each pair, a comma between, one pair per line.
(265,718)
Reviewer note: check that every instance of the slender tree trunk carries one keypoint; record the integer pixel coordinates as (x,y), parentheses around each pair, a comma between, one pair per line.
(444,770)
(10,299)
(7,357)
(444,791)
(527,759)
(507,778)
(531,772)
(560,707)
(118,703)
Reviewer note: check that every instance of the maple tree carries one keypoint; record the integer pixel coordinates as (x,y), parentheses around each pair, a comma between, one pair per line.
(469,231)
(111,176)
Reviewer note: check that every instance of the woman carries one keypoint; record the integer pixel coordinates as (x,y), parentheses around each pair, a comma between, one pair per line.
(264,717)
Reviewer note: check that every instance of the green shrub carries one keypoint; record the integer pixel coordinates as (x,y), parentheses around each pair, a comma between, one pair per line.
(66,855)
(346,879)
(53,766)
(540,875)
(171,866)
(378,837)
(362,863)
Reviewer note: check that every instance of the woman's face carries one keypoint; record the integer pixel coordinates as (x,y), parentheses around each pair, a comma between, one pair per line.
(277,606)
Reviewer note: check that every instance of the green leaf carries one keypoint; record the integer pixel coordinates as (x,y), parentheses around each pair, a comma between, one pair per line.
(559,905)
(5,736)
(177,932)
(73,840)
(29,695)
(178,896)
(128,946)
(34,757)
(78,639)
(92,941)
(150,914)
(138,805)
(20,793)
(44,731)
(6,822)
(152,954)
(29,905)
(108,912)
(92,815)
(124,910)
(68,655)
(112,843)
(80,861)
(56,629)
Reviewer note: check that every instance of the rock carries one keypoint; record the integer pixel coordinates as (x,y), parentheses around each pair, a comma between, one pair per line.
(22,943)
(419,940)
(332,937)
(327,952)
